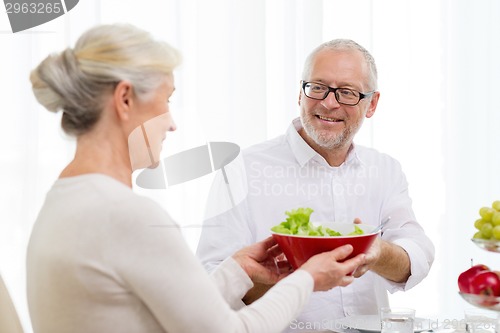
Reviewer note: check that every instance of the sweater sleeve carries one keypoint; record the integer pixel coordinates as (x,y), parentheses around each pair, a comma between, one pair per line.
(151,258)
(232,282)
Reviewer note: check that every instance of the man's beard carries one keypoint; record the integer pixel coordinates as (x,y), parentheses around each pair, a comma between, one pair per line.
(325,139)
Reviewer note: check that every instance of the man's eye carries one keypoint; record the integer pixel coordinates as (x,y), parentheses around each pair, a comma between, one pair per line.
(347,93)
(316,88)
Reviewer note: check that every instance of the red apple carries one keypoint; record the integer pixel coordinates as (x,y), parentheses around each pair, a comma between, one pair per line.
(465,279)
(485,283)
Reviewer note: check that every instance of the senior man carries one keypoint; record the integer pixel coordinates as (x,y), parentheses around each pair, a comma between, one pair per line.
(316,164)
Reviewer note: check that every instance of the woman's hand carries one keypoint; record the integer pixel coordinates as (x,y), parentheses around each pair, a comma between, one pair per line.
(263,262)
(327,270)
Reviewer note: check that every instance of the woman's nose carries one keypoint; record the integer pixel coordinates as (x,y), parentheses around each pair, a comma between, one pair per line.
(171,126)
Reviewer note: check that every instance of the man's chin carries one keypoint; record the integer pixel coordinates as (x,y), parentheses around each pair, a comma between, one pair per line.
(329,142)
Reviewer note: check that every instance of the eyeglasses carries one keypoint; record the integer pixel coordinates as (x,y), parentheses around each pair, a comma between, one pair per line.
(344,96)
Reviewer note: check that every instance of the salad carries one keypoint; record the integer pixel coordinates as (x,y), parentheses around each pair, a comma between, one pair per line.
(297,223)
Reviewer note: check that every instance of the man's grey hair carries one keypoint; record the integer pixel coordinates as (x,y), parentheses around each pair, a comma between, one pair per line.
(342,44)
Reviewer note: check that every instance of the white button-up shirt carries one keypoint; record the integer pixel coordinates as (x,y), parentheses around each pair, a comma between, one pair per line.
(285,173)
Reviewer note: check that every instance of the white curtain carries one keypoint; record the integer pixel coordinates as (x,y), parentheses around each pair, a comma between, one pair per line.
(439,78)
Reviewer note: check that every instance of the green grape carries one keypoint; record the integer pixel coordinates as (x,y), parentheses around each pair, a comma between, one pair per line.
(496,232)
(479,223)
(496,205)
(486,213)
(478,235)
(495,220)
(487,230)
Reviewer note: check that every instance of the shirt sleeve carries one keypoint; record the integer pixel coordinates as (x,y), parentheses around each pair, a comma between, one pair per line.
(405,231)
(227,226)
(151,258)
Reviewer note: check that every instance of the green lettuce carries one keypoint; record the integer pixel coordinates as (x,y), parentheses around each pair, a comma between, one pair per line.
(297,223)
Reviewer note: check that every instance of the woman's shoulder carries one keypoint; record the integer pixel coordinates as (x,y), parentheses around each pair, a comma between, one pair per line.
(118,202)
(139,209)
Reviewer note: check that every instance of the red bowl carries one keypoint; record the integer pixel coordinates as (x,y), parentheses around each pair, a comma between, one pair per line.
(298,249)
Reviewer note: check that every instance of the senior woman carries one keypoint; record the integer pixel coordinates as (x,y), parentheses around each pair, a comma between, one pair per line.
(97,259)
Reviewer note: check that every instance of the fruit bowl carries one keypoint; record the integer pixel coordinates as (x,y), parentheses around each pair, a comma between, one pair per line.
(298,249)
(482,301)
(487,244)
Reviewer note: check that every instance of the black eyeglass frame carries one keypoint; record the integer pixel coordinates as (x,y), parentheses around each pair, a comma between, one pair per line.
(334,90)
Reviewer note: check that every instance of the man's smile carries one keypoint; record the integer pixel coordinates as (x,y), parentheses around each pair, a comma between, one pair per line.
(332,120)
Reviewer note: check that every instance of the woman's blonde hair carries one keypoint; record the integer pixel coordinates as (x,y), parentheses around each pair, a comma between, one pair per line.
(76,80)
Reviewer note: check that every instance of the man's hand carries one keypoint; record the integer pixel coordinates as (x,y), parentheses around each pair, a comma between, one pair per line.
(387,260)
(263,262)
(371,258)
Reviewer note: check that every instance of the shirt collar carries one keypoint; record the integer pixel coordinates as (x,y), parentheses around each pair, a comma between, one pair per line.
(300,149)
(353,156)
(304,153)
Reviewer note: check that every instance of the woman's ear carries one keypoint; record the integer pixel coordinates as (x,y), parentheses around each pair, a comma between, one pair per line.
(122,97)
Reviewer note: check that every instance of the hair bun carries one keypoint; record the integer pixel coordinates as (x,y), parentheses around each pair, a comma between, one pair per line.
(51,79)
